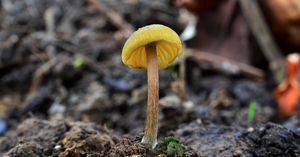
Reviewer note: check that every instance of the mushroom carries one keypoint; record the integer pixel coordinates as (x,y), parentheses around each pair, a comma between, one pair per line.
(288,92)
(151,47)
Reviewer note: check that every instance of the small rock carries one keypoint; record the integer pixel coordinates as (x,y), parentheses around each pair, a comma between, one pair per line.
(57,147)
(237,153)
(3,126)
(170,101)
(56,109)
(188,105)
(251,129)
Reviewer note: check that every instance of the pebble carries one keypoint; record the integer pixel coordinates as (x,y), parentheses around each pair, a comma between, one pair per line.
(3,126)
(56,108)
(57,147)
(237,153)
(188,105)
(121,84)
(251,129)
(171,101)
(202,111)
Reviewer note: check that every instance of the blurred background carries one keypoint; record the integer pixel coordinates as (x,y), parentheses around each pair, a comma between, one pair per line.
(61,60)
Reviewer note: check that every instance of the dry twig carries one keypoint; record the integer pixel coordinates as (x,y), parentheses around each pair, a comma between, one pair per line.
(263,36)
(226,65)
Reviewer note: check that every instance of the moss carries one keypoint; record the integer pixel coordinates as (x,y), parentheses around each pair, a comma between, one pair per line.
(171,147)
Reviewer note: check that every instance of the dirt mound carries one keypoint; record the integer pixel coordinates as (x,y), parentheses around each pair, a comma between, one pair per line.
(207,139)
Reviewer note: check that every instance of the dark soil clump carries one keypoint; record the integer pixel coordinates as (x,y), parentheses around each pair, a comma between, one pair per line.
(273,140)
(41,138)
(264,140)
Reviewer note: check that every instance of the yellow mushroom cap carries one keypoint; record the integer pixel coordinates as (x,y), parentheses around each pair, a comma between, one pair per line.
(168,46)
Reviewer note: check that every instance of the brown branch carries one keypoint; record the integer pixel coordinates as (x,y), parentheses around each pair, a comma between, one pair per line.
(263,36)
(221,63)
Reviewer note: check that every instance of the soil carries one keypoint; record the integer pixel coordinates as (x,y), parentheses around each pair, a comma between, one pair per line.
(64,91)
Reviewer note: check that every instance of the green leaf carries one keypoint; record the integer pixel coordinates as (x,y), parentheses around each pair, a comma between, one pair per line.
(78,62)
(251,111)
(171,69)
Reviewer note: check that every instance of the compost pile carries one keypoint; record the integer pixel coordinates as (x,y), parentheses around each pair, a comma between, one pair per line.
(65,92)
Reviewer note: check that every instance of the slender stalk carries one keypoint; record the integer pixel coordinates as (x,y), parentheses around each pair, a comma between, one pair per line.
(292,62)
(150,136)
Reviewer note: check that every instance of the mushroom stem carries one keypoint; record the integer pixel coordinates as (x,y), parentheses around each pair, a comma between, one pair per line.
(150,135)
